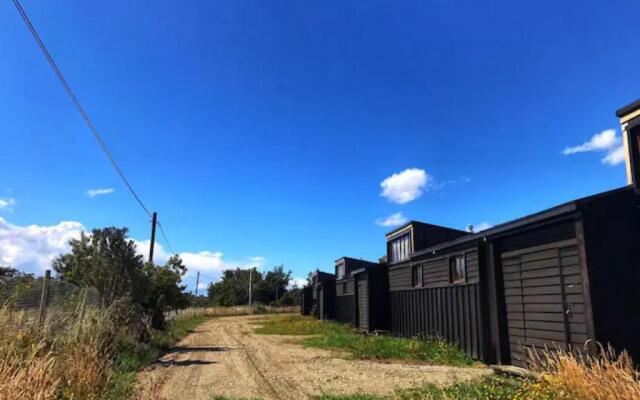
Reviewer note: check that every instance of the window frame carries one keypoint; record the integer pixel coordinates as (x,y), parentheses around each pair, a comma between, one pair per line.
(400,248)
(417,275)
(340,267)
(453,265)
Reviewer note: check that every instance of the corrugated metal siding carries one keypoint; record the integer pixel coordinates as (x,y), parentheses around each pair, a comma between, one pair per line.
(363,303)
(543,296)
(450,312)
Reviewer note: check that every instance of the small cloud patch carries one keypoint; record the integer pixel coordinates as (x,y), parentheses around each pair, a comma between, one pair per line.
(7,204)
(405,186)
(607,142)
(392,220)
(99,192)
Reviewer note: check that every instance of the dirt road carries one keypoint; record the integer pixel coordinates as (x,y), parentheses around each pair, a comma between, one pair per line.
(223,357)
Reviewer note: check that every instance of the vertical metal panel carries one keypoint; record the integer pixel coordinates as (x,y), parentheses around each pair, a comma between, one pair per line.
(449,312)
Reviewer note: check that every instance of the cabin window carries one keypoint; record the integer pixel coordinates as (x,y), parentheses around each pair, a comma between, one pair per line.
(344,287)
(416,275)
(400,249)
(340,271)
(457,270)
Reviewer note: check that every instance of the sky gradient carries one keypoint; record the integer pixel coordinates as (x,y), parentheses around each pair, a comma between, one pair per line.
(262,132)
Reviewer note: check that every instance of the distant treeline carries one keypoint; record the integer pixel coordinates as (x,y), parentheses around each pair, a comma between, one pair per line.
(270,287)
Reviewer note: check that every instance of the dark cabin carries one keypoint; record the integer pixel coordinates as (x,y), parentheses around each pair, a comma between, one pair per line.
(558,278)
(345,305)
(306,300)
(433,293)
(323,295)
(372,297)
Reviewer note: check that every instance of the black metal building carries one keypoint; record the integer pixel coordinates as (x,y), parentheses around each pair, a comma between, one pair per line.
(306,300)
(323,295)
(372,298)
(345,303)
(562,277)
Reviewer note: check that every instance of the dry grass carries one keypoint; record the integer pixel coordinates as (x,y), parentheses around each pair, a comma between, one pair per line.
(39,364)
(574,375)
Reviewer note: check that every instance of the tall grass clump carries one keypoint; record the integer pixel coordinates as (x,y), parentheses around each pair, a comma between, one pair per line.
(572,375)
(72,361)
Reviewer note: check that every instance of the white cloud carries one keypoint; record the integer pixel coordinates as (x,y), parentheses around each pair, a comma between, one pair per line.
(440,185)
(297,282)
(392,220)
(32,248)
(203,285)
(210,263)
(606,141)
(615,156)
(7,204)
(99,192)
(482,226)
(405,186)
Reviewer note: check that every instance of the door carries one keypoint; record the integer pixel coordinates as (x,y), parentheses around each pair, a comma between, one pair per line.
(363,302)
(321,303)
(543,297)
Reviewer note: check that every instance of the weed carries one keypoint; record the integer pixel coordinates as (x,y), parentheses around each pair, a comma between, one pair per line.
(331,335)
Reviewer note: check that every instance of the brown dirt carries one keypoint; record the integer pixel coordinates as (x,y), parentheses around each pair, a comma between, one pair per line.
(224,358)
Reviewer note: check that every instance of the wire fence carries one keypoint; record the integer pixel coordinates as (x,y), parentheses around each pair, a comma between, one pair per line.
(47,303)
(227,311)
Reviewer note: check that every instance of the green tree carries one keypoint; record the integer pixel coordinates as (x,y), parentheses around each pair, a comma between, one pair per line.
(275,284)
(106,260)
(233,287)
(8,273)
(164,290)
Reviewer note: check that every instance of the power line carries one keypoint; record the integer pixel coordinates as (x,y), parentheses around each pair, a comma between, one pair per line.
(79,107)
(84,115)
(164,235)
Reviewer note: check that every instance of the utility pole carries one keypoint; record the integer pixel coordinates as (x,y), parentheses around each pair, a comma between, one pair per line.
(195,298)
(250,279)
(153,237)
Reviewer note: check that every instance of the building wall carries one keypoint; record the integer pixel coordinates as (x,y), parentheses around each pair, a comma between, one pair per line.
(612,241)
(438,308)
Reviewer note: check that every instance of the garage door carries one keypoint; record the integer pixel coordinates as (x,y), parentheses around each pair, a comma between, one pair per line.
(543,296)
(363,302)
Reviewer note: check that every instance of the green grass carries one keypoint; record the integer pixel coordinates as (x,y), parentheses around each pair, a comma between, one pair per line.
(491,388)
(331,335)
(134,356)
(297,325)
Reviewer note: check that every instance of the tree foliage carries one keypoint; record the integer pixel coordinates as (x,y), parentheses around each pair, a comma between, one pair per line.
(108,261)
(233,287)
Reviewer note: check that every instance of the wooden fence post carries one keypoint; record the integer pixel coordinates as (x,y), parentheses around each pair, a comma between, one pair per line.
(44,297)
(82,310)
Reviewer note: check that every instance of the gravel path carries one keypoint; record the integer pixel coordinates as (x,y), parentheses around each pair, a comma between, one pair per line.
(224,358)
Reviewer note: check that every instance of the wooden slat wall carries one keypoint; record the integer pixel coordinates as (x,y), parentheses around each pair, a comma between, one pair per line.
(449,312)
(435,272)
(400,277)
(543,296)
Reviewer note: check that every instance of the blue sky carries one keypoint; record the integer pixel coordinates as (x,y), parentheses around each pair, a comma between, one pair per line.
(265,129)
